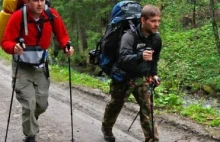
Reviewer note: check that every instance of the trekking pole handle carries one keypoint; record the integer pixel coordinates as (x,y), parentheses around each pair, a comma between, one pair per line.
(148,62)
(68,44)
(158,79)
(152,81)
(148,48)
(21,41)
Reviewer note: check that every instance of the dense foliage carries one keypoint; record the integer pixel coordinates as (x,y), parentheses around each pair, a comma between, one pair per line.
(189,59)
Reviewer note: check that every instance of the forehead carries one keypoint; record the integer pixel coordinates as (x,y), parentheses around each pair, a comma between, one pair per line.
(157,17)
(37,0)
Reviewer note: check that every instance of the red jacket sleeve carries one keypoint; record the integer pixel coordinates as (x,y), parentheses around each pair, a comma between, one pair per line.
(60,31)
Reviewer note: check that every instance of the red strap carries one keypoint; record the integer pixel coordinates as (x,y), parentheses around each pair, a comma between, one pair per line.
(150,79)
(8,12)
(21,3)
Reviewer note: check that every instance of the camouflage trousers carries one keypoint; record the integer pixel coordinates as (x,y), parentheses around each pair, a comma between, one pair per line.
(119,94)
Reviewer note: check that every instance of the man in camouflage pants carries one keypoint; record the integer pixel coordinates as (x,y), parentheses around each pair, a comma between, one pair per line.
(138,65)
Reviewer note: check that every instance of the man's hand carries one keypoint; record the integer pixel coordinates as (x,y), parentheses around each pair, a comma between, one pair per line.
(18,49)
(69,52)
(157,80)
(147,55)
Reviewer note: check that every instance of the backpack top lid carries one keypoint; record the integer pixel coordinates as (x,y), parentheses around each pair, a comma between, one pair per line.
(125,10)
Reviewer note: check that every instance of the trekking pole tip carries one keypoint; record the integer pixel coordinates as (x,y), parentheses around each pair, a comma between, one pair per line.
(73,140)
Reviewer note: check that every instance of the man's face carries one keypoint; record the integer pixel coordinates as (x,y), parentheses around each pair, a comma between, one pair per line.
(36,6)
(151,24)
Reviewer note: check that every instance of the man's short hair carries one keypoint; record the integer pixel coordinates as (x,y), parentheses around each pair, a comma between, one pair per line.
(150,11)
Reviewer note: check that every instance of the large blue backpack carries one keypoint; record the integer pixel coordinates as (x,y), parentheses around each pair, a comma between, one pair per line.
(125,15)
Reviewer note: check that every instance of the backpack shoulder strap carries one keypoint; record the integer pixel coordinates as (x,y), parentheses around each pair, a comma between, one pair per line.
(50,16)
(24,21)
(135,38)
(133,31)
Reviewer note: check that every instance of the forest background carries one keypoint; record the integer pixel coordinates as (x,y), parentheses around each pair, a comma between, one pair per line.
(190,55)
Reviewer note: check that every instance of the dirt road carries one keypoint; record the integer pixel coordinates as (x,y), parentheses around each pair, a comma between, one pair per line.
(89,105)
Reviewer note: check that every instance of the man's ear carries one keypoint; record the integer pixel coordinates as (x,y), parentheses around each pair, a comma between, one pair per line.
(143,20)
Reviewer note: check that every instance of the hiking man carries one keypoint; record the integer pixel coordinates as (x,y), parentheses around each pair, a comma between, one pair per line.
(32,81)
(138,62)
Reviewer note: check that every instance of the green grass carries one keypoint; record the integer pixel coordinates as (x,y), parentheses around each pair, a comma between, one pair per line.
(5,56)
(189,59)
(61,74)
(202,115)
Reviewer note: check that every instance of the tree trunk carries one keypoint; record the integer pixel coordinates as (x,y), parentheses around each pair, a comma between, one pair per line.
(83,37)
(214,25)
(194,14)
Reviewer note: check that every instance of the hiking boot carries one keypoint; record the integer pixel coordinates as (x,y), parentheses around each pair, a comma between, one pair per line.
(151,140)
(30,139)
(36,117)
(108,135)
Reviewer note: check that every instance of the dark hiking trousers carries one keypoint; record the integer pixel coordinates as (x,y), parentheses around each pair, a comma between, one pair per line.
(119,94)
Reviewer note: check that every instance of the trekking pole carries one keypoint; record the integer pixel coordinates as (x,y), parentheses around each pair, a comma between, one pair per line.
(151,92)
(152,86)
(70,85)
(148,66)
(21,41)
(133,120)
